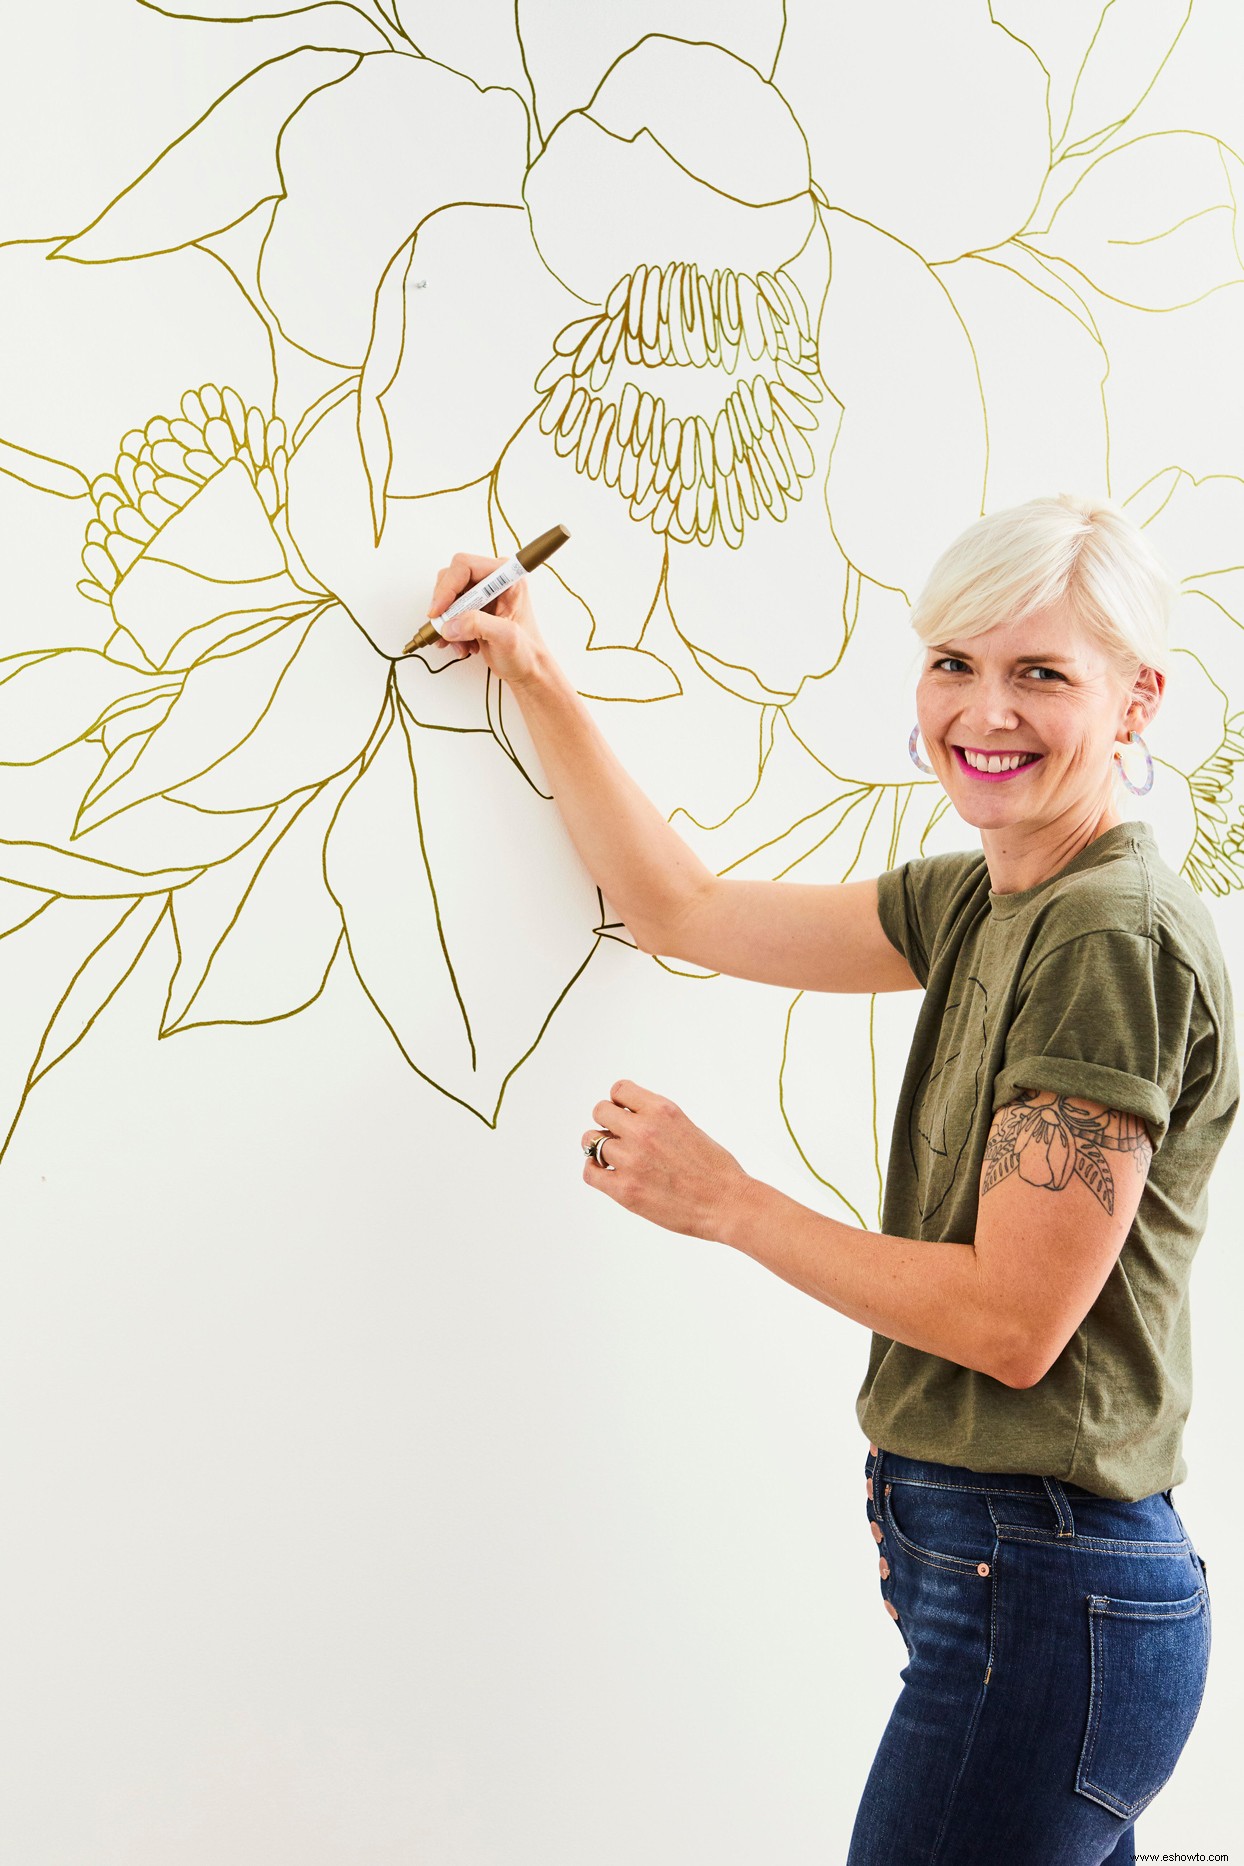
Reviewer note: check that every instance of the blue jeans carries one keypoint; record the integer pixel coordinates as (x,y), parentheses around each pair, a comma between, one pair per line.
(1057,1646)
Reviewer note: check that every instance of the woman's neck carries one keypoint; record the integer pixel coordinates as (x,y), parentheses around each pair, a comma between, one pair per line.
(1021,855)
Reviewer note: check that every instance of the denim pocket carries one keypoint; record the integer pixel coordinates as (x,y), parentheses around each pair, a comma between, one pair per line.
(1149,1661)
(944,1528)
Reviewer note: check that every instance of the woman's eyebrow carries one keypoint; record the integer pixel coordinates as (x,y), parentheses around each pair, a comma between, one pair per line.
(1047,660)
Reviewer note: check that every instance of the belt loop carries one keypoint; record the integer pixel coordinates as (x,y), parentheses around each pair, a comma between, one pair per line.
(1062,1509)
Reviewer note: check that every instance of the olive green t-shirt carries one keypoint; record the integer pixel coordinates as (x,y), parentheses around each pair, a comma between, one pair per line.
(1107,981)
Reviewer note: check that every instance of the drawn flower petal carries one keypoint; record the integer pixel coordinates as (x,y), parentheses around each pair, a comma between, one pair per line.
(215,171)
(256,935)
(1153,223)
(725,602)
(1042,372)
(443,860)
(1195,526)
(365,162)
(567,67)
(858,80)
(215,570)
(680,184)
(42,541)
(612,563)
(449,372)
(908,468)
(883,657)
(692,745)
(57,972)
(477,37)
(91,351)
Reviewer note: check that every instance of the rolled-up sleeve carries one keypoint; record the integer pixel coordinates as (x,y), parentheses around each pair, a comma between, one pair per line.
(1105,1015)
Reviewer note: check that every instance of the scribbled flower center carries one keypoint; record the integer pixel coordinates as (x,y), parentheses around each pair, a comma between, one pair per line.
(162,466)
(1215,862)
(689,470)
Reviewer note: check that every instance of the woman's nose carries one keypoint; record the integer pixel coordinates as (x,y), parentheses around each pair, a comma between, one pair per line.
(990,711)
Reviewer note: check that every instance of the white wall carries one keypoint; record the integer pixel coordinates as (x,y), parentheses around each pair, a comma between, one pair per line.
(374,1490)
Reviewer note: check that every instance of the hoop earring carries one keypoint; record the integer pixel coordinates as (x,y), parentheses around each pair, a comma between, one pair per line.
(914,755)
(1137,790)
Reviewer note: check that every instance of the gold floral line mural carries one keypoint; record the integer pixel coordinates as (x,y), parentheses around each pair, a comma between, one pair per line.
(422,282)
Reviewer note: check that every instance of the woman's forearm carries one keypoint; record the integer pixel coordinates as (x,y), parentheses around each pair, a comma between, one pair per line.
(641,865)
(926,1294)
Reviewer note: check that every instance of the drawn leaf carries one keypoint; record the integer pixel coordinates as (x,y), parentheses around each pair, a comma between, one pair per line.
(170,845)
(216,170)
(97,983)
(46,704)
(1133,41)
(1153,223)
(57,971)
(1093,1170)
(320,717)
(443,861)
(18,905)
(226,12)
(998,1166)
(219,705)
(256,935)
(43,473)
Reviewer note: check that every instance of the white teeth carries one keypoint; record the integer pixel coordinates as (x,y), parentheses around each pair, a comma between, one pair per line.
(999,762)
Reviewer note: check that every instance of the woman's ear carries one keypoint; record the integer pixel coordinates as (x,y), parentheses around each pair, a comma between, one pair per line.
(1147,690)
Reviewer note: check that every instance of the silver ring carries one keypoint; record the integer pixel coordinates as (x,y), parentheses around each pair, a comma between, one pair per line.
(594,1148)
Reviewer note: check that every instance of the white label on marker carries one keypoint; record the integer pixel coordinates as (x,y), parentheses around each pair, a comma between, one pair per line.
(480,593)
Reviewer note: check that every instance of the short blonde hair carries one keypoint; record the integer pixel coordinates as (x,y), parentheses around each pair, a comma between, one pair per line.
(1011,563)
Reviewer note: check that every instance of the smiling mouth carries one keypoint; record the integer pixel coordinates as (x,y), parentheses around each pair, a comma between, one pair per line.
(1029,759)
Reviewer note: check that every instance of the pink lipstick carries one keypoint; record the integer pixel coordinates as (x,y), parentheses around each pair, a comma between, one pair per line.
(995,777)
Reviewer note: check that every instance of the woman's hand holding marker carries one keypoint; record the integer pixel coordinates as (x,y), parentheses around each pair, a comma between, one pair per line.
(505,633)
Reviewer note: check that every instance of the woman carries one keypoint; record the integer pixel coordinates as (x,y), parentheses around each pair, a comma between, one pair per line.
(1071,1081)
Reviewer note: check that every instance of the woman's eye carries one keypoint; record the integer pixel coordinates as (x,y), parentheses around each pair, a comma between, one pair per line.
(1045,670)
(947,659)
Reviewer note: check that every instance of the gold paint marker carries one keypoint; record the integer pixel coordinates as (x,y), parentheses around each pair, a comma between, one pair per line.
(497,580)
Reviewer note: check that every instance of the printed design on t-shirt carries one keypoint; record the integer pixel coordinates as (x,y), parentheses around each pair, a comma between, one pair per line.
(1050,1139)
(944,1105)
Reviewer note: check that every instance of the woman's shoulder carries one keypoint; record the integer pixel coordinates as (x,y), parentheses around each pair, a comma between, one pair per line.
(1134,891)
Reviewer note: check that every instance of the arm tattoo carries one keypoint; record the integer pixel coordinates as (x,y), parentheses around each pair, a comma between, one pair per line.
(1047,1139)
